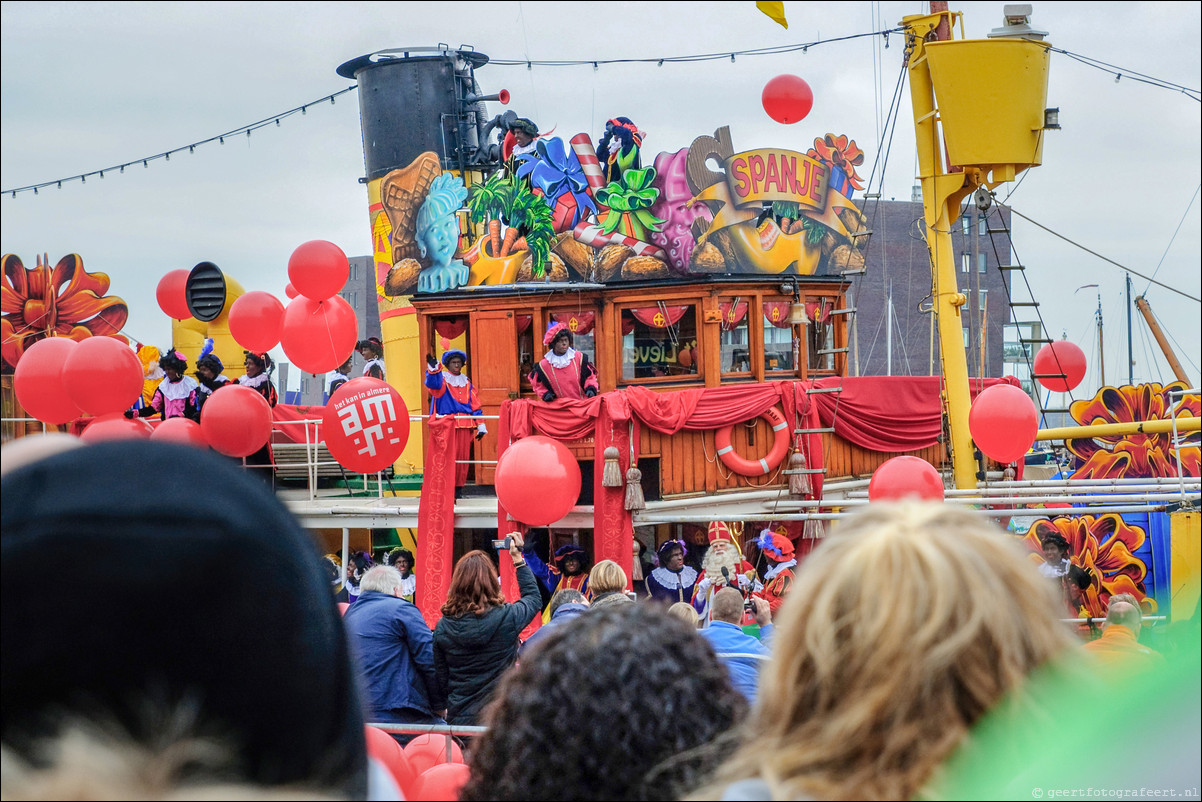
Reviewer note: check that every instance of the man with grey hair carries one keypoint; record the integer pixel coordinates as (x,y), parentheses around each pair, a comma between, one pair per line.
(1119,646)
(742,654)
(566,604)
(394,651)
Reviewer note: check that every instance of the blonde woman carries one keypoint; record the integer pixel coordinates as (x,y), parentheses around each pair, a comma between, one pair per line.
(902,629)
(607,584)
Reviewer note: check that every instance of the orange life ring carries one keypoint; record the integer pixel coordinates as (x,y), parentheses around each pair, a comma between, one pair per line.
(760,467)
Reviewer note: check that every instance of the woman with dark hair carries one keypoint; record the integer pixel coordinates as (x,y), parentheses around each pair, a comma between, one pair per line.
(476,639)
(356,566)
(372,351)
(258,376)
(209,374)
(1072,579)
(340,375)
(625,702)
(402,560)
(176,396)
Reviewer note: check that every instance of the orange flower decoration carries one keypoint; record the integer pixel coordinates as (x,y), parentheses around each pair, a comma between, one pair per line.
(67,302)
(841,152)
(1105,546)
(1138,456)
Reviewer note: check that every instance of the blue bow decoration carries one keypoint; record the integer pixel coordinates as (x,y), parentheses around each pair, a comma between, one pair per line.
(555,171)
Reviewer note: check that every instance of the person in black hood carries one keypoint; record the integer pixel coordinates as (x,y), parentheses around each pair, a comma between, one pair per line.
(477,637)
(212,608)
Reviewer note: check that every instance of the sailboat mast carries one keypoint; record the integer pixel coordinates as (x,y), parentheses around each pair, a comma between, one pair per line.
(1101,350)
(1141,303)
(1130,350)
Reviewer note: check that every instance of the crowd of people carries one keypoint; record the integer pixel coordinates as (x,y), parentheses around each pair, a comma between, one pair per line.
(202,651)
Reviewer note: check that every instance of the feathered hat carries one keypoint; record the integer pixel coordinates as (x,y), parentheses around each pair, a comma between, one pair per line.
(207,357)
(777,548)
(570,550)
(554,330)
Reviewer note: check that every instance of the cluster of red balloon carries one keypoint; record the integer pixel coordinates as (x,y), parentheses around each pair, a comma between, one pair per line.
(420,769)
(537,480)
(318,329)
(58,380)
(787,99)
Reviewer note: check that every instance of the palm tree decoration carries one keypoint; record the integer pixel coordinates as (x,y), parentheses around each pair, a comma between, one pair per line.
(529,220)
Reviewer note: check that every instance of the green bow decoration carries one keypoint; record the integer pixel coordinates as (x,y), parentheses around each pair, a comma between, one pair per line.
(630,200)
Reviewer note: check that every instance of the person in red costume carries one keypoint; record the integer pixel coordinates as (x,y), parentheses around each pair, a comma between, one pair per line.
(452,393)
(723,565)
(778,579)
(563,372)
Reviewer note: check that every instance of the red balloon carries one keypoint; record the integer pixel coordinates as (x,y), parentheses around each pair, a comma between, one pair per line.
(116,427)
(290,291)
(366,425)
(103,376)
(1003,422)
(255,320)
(171,295)
(787,99)
(318,269)
(426,751)
(444,781)
(905,477)
(184,431)
(318,336)
(236,421)
(537,480)
(1057,359)
(384,748)
(38,381)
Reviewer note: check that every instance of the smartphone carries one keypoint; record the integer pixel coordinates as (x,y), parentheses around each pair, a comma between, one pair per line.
(503,544)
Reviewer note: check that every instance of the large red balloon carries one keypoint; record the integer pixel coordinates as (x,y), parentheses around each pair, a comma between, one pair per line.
(384,748)
(236,421)
(171,294)
(318,336)
(366,425)
(905,477)
(537,480)
(787,99)
(444,781)
(318,269)
(184,431)
(116,427)
(38,381)
(1060,358)
(1003,422)
(425,751)
(255,320)
(103,376)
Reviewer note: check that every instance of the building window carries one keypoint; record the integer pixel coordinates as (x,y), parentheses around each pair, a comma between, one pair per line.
(820,335)
(965,262)
(734,338)
(981,296)
(967,338)
(982,229)
(659,341)
(965,223)
(981,263)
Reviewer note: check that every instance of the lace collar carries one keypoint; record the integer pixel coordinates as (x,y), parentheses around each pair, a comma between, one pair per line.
(257,381)
(671,579)
(455,381)
(177,390)
(207,388)
(776,569)
(560,362)
(373,363)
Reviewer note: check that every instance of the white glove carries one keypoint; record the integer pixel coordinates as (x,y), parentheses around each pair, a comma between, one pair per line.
(703,585)
(481,430)
(744,582)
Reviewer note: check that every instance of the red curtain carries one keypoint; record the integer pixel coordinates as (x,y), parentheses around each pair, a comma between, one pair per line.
(659,317)
(732,318)
(819,311)
(436,519)
(777,313)
(577,322)
(523,322)
(450,327)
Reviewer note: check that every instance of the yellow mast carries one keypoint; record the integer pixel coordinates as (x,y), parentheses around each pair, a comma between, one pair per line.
(980,104)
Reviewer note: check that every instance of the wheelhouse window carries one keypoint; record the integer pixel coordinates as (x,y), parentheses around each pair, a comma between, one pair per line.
(820,335)
(778,337)
(659,341)
(734,338)
(581,323)
(527,355)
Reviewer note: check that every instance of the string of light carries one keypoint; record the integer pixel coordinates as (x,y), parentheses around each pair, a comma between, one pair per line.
(190,148)
(1121,72)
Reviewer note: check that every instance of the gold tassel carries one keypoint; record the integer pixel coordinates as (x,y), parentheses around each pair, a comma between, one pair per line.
(634,490)
(799,483)
(612,476)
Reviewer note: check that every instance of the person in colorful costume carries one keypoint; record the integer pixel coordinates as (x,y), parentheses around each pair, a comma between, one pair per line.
(1072,579)
(563,372)
(778,579)
(618,156)
(340,376)
(176,395)
(569,571)
(723,553)
(258,378)
(672,581)
(372,351)
(452,393)
(208,374)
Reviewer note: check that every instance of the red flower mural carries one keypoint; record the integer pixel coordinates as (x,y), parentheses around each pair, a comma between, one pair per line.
(1105,546)
(1137,456)
(68,302)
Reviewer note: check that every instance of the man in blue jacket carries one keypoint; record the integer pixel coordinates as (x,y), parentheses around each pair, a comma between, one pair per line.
(743,654)
(564,606)
(394,651)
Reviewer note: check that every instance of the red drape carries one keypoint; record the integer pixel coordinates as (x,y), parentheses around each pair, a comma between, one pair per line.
(819,311)
(523,322)
(732,318)
(777,313)
(436,519)
(659,317)
(577,322)
(450,327)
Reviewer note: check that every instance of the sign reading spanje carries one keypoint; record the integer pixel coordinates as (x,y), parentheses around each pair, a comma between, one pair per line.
(766,175)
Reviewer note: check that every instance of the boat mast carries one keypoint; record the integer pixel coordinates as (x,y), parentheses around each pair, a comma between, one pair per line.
(1101,351)
(1141,303)
(1130,350)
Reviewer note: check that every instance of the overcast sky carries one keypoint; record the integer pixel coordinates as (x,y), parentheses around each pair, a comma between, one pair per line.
(87,86)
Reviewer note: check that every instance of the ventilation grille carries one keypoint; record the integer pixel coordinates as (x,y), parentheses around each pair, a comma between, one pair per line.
(206,291)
